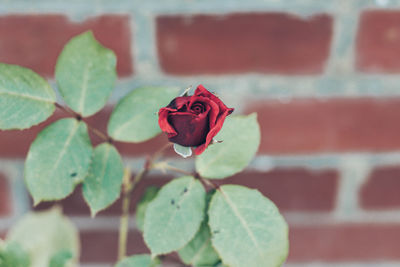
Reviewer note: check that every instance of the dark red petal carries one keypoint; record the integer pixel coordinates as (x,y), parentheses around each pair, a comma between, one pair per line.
(179,102)
(213,115)
(202,91)
(163,121)
(211,107)
(213,132)
(191,129)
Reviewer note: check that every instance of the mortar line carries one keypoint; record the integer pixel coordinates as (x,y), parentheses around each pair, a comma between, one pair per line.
(345,24)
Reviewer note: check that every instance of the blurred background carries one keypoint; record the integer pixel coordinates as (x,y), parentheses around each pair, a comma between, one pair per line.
(322,75)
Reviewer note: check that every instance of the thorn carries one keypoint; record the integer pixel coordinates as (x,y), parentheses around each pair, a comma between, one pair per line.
(214,141)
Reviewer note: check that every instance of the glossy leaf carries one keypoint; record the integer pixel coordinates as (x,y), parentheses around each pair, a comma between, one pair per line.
(141,260)
(247,228)
(174,216)
(141,207)
(45,234)
(85,74)
(240,138)
(135,117)
(57,160)
(26,98)
(13,255)
(102,186)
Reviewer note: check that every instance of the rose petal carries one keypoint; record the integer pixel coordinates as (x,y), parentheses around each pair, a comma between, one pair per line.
(163,121)
(191,128)
(211,107)
(213,132)
(201,91)
(179,102)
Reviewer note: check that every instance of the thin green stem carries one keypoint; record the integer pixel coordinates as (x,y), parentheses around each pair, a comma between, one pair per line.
(164,166)
(124,224)
(77,116)
(127,188)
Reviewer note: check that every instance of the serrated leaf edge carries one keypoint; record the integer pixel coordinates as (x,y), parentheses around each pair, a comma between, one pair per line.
(38,201)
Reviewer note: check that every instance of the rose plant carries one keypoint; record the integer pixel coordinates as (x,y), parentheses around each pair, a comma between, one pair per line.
(206,223)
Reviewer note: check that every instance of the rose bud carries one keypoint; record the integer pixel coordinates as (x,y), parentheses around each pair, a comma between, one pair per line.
(193,121)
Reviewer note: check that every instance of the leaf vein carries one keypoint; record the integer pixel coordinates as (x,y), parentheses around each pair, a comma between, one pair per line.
(242,221)
(35,98)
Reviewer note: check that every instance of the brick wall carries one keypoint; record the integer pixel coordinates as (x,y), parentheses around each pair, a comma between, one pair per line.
(323,76)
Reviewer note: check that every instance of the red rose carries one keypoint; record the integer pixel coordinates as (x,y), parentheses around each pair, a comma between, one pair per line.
(193,120)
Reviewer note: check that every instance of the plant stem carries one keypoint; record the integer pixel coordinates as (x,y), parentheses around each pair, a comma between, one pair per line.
(209,183)
(94,130)
(98,133)
(166,166)
(124,224)
(160,152)
(65,109)
(128,187)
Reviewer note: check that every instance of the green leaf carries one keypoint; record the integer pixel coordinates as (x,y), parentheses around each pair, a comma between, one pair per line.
(247,228)
(85,74)
(45,234)
(57,160)
(102,186)
(241,137)
(142,260)
(174,216)
(199,251)
(61,258)
(141,207)
(26,98)
(135,117)
(13,255)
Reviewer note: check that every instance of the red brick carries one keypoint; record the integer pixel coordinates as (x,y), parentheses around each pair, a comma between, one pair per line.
(102,246)
(293,189)
(378,42)
(76,205)
(330,243)
(5,197)
(35,41)
(334,125)
(257,42)
(339,243)
(381,189)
